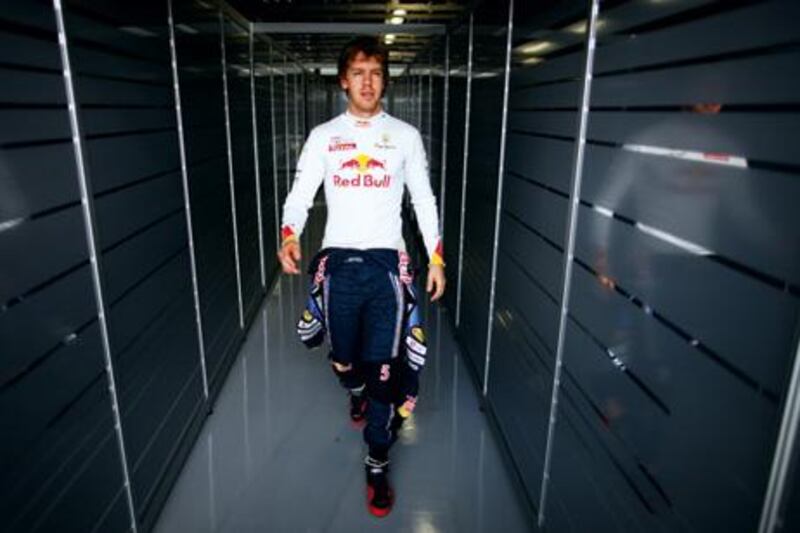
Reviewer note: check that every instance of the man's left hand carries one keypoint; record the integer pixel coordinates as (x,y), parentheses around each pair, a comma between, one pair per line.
(436,281)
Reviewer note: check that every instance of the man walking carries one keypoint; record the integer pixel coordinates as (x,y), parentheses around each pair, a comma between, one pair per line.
(362,294)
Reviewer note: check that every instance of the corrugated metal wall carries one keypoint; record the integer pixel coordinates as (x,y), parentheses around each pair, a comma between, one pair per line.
(58,429)
(122,304)
(671,361)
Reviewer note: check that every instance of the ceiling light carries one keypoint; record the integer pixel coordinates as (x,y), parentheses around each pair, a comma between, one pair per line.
(533,47)
(532,60)
(389,38)
(399,13)
(396,20)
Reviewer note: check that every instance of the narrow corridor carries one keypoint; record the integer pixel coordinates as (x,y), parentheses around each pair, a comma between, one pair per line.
(279,453)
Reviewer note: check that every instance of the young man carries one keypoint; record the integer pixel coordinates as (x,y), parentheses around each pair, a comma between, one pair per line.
(362,294)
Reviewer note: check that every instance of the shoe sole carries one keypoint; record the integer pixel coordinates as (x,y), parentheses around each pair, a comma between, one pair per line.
(377,511)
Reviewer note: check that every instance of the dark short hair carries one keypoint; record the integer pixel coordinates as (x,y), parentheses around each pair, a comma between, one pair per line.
(371,47)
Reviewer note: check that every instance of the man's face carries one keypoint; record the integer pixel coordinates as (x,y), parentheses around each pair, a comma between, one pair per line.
(364,83)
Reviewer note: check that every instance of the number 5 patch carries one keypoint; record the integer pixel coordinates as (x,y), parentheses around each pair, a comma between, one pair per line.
(385,372)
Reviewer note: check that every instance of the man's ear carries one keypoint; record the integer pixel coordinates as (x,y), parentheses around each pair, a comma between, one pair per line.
(343,83)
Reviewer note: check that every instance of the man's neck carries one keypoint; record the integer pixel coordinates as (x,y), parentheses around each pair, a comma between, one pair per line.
(364,114)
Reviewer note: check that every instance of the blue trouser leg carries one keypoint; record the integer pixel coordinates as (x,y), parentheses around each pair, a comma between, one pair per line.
(364,321)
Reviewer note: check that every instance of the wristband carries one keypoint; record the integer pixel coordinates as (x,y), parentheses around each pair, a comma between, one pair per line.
(437,258)
(288,235)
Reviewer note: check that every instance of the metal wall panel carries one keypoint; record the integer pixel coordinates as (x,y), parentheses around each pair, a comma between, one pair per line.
(237,61)
(203,106)
(37,192)
(58,452)
(64,459)
(683,315)
(279,97)
(123,84)
(456,122)
(489,54)
(267,154)
(731,331)
(543,109)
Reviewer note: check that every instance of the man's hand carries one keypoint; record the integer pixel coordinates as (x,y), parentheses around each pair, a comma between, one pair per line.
(289,256)
(436,281)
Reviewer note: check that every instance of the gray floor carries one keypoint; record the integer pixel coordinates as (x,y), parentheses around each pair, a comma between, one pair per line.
(279,453)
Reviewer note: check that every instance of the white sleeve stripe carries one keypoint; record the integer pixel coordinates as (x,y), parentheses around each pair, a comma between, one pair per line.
(416,358)
(416,346)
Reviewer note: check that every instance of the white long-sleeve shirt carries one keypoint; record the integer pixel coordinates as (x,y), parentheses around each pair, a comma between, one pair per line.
(364,164)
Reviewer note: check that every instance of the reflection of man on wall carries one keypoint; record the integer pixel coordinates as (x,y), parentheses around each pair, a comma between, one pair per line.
(362,293)
(680,202)
(690,181)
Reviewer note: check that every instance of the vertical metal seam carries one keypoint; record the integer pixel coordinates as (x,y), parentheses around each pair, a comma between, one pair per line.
(577,174)
(186,198)
(257,165)
(274,152)
(304,106)
(443,169)
(296,113)
(464,175)
(421,102)
(286,122)
(499,206)
(786,442)
(87,205)
(430,107)
(230,168)
(414,103)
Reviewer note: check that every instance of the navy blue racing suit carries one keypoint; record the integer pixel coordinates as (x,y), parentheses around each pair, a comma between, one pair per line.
(365,301)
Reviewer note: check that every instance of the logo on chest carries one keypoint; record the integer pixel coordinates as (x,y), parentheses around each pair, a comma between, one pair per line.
(337,144)
(362,171)
(385,143)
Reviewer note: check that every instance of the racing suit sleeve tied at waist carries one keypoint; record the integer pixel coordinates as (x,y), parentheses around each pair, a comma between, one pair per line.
(411,342)
(312,326)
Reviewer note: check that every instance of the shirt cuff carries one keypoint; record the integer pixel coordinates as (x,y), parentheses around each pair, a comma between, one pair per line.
(288,235)
(437,257)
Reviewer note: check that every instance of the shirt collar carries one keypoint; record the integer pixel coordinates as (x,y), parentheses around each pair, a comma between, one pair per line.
(363,123)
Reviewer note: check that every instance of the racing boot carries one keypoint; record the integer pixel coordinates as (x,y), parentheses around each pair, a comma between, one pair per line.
(379,494)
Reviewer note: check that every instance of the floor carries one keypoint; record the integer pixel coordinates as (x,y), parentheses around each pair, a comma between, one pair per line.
(279,452)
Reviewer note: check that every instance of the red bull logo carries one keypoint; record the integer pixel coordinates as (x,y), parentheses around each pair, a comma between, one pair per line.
(362,163)
(365,168)
(350,163)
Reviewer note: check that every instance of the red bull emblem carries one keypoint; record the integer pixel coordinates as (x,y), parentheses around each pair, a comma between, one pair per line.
(350,163)
(367,170)
(374,163)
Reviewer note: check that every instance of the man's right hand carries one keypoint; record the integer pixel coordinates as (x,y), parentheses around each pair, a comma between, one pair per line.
(289,256)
